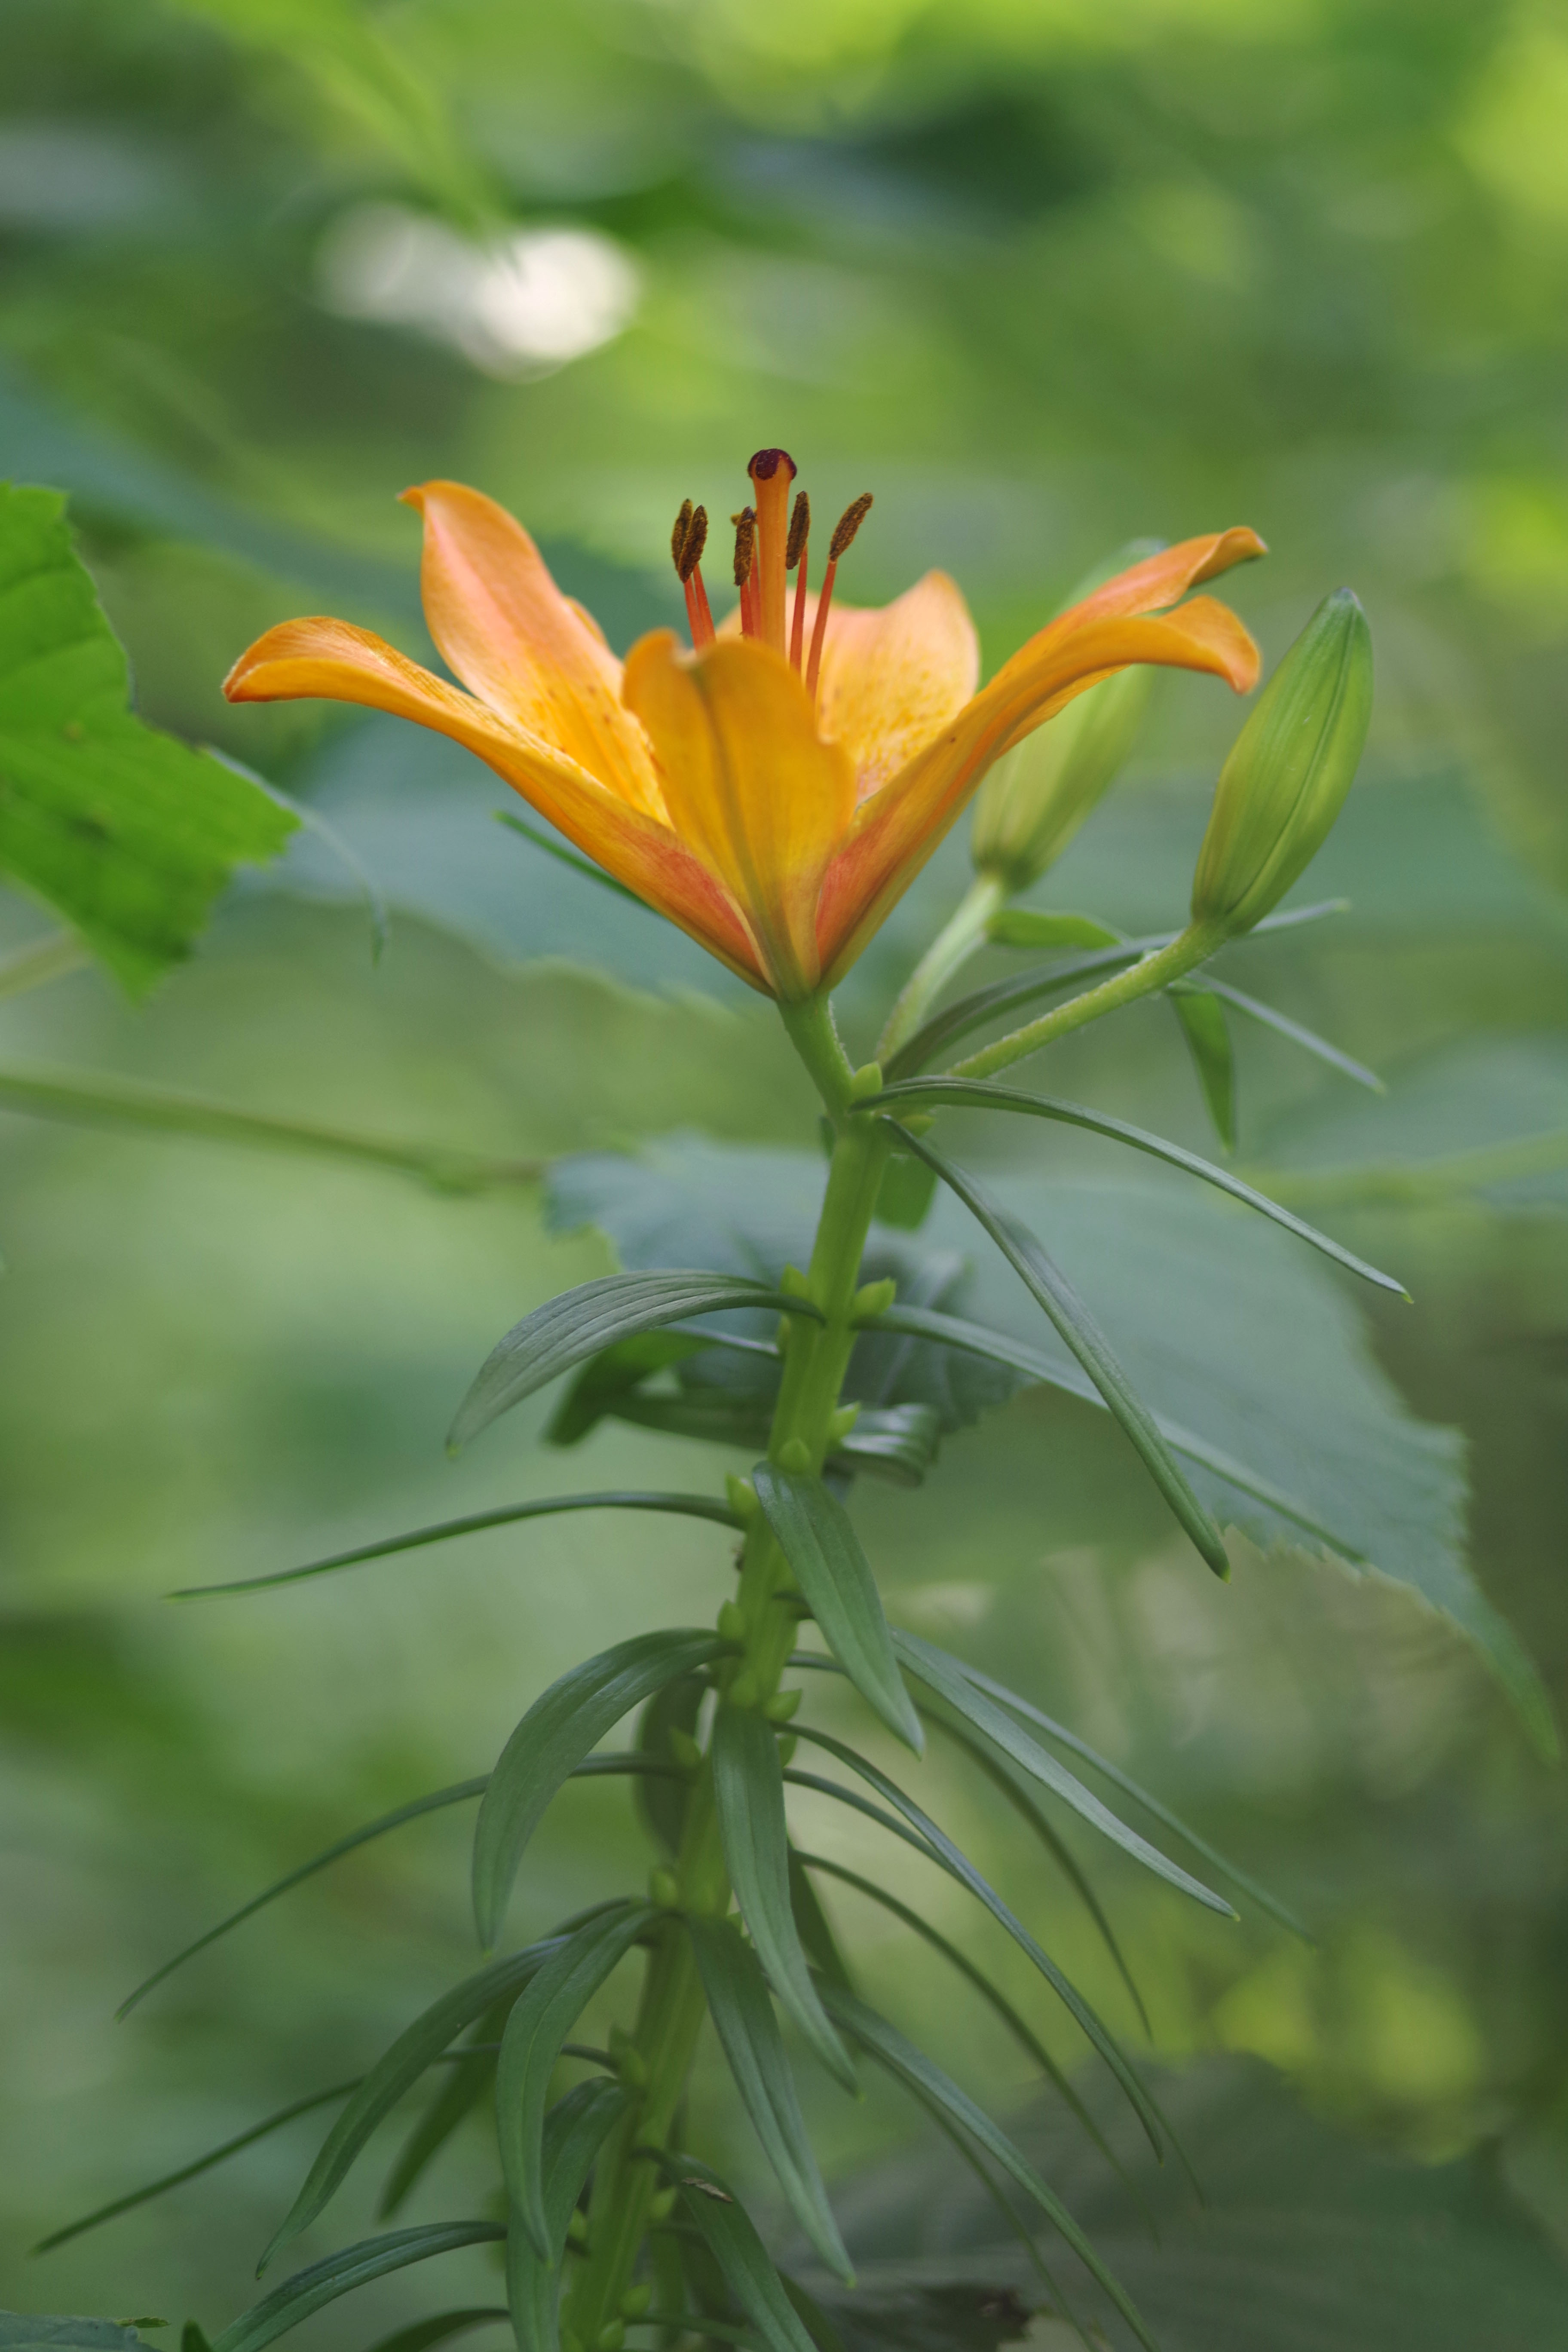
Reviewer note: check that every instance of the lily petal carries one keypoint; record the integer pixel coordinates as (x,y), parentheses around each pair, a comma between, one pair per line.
(336,661)
(511,636)
(748,783)
(893,678)
(896,831)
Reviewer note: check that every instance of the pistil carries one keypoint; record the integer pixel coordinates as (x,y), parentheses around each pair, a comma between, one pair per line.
(843,531)
(772,472)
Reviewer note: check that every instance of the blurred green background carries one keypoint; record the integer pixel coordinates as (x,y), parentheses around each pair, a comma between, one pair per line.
(1044,275)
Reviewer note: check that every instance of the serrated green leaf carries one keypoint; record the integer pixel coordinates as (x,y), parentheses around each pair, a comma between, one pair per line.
(575,2130)
(128,834)
(944,1676)
(926,1837)
(566,1330)
(353,2266)
(200,2164)
(981,1094)
(1052,1291)
(686,1507)
(558,1731)
(899,2055)
(395,2073)
(748,1794)
(744,2018)
(1200,1016)
(541,2018)
(818,1538)
(747,2267)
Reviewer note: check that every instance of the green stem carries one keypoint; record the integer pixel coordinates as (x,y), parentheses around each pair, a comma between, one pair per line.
(947,953)
(672,2006)
(1151,973)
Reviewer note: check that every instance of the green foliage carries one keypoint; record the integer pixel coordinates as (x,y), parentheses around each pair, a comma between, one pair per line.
(818,1538)
(126,833)
(354,2266)
(573,2134)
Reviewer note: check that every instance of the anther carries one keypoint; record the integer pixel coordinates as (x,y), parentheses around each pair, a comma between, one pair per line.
(690,554)
(745,524)
(848,524)
(687,543)
(794,554)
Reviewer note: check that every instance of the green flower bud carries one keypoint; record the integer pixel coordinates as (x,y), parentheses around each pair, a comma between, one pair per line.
(1288,770)
(1034,801)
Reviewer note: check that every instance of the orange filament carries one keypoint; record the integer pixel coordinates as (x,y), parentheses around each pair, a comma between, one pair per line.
(794,554)
(772,472)
(843,531)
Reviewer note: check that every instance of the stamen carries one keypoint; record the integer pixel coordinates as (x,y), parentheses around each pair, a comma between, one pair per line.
(772,471)
(697,612)
(794,553)
(745,524)
(678,536)
(843,531)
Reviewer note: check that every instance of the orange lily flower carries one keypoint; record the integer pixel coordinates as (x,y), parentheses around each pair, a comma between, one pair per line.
(775,812)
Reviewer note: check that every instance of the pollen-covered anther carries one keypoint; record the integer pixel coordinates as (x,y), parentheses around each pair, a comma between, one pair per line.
(745,524)
(848,524)
(677,537)
(799,530)
(690,553)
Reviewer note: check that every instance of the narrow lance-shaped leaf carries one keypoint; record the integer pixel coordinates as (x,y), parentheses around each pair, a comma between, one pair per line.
(1200,1016)
(1001,1348)
(743,2018)
(606,1766)
(912,2066)
(1083,1335)
(441,2327)
(468,2078)
(575,2131)
(200,2164)
(935,1843)
(748,2268)
(978,1094)
(353,2266)
(818,1538)
(395,2071)
(558,1731)
(568,1330)
(541,2018)
(814,1927)
(686,1507)
(748,1793)
(1017,2025)
(943,1675)
(1270,1017)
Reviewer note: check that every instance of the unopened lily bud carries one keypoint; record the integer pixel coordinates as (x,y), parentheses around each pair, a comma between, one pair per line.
(1288,770)
(1034,801)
